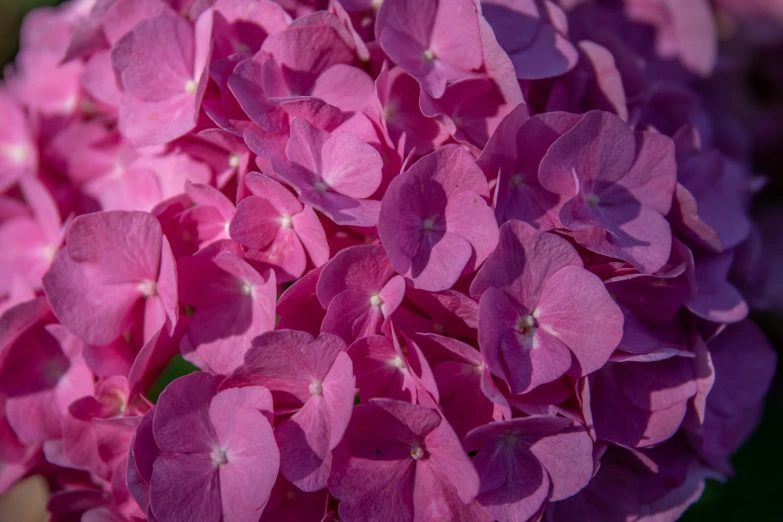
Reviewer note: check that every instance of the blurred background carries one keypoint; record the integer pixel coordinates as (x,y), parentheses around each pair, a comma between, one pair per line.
(755,492)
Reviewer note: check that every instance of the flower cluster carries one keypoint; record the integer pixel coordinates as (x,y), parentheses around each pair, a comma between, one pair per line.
(435,259)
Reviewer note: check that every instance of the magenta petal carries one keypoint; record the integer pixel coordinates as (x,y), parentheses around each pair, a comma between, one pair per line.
(575,308)
(185,487)
(256,223)
(523,261)
(299,308)
(514,484)
(339,388)
(568,459)
(351,315)
(182,423)
(469,216)
(304,446)
(311,233)
(360,269)
(244,433)
(350,166)
(438,263)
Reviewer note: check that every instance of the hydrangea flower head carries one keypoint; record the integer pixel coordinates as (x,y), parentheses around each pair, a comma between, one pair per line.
(464,260)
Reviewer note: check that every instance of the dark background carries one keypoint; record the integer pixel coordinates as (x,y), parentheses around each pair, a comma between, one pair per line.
(755,492)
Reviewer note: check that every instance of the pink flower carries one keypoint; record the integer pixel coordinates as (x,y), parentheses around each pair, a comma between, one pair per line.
(160,66)
(402,460)
(277,230)
(217,456)
(233,302)
(436,42)
(521,464)
(618,185)
(313,379)
(115,273)
(28,244)
(360,291)
(541,314)
(435,223)
(333,173)
(18,158)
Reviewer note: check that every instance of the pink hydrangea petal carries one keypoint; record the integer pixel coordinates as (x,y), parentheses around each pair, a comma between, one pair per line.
(352,316)
(246,85)
(98,315)
(311,233)
(256,223)
(304,446)
(361,268)
(299,308)
(568,474)
(330,87)
(182,421)
(523,261)
(253,459)
(185,487)
(350,167)
(572,305)
(468,215)
(378,374)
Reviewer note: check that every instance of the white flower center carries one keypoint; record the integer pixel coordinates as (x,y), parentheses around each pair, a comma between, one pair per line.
(148,288)
(316,388)
(48,252)
(247,288)
(190,87)
(17,154)
(417,452)
(428,55)
(285,222)
(219,457)
(428,224)
(398,362)
(233,161)
(375,300)
(320,187)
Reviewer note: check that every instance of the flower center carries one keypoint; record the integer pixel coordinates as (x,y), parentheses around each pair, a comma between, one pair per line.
(316,388)
(190,87)
(48,252)
(233,161)
(398,362)
(510,440)
(428,55)
(285,222)
(219,457)
(375,300)
(417,451)
(148,288)
(320,187)
(592,200)
(247,288)
(516,180)
(17,154)
(428,224)
(438,328)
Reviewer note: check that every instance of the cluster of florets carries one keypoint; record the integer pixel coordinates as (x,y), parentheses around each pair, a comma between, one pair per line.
(435,259)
